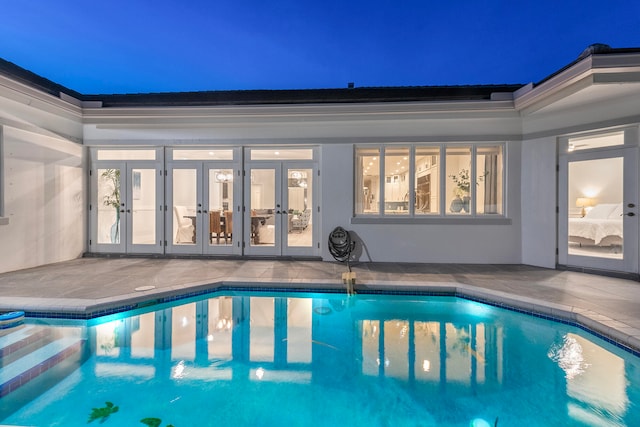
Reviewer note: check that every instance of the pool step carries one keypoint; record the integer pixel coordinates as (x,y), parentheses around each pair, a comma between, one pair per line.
(19,342)
(29,352)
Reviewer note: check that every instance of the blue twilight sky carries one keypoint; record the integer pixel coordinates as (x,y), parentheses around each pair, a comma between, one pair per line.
(129,46)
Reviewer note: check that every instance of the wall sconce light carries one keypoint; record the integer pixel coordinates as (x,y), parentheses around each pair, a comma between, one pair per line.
(584,202)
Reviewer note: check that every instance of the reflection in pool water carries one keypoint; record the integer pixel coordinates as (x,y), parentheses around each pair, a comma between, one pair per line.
(312,359)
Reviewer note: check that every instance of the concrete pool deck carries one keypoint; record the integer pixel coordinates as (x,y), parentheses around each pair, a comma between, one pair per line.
(87,287)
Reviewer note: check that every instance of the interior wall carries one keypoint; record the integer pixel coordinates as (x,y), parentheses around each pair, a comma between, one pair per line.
(600,179)
(44,200)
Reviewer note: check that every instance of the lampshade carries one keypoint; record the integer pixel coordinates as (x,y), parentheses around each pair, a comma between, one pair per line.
(582,202)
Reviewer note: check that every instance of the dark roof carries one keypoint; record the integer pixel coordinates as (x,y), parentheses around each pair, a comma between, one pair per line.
(304,96)
(292,96)
(257,97)
(32,79)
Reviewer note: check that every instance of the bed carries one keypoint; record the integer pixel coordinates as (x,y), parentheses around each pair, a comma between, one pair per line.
(601,226)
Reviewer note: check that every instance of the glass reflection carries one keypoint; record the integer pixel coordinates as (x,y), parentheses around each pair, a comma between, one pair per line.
(437,350)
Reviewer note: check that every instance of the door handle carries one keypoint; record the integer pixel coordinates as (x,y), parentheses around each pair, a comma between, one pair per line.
(631,205)
(628,214)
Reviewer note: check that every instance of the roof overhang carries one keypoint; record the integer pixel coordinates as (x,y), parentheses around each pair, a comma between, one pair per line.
(582,81)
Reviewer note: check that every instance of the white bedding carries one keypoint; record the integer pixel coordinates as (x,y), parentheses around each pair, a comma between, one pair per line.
(600,222)
(595,229)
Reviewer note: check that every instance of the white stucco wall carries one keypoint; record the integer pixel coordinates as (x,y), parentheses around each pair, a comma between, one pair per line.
(336,178)
(44,201)
(538,189)
(43,182)
(436,242)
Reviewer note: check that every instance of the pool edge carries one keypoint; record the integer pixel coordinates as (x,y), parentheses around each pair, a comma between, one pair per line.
(613,331)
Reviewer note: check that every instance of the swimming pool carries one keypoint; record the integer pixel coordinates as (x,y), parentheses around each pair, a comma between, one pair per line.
(272,359)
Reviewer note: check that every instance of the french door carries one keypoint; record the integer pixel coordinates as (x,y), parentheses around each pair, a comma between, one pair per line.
(126,213)
(281,207)
(202,216)
(598,203)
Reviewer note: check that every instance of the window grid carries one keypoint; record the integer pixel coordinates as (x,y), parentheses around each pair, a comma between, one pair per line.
(430,180)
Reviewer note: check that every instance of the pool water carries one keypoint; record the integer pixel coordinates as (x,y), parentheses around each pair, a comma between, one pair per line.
(323,360)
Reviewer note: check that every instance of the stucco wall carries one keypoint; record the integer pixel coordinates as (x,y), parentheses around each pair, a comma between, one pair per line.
(43,180)
(539,202)
(44,201)
(466,242)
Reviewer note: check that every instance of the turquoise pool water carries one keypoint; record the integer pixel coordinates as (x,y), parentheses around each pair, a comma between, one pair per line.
(319,360)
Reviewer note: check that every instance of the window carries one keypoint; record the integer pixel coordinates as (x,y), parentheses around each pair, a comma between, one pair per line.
(396,182)
(489,193)
(426,180)
(452,180)
(368,181)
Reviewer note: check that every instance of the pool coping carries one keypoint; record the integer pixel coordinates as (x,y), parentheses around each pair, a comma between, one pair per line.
(614,331)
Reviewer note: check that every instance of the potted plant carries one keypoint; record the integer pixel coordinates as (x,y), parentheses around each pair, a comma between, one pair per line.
(462,190)
(112,176)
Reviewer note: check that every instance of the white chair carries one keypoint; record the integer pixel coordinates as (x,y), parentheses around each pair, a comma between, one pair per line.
(267,234)
(185,231)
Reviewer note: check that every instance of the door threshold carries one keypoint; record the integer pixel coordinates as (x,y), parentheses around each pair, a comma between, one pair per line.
(599,272)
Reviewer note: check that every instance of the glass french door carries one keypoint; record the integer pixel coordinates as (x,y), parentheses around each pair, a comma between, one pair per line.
(598,204)
(280,208)
(201,216)
(126,210)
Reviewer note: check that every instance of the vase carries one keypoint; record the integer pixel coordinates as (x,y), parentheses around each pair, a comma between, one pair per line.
(115,229)
(456,205)
(465,204)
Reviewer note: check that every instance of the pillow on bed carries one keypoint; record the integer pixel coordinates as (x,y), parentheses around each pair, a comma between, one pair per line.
(601,211)
(617,212)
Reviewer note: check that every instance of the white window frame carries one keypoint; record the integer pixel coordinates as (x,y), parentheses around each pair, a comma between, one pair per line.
(442,217)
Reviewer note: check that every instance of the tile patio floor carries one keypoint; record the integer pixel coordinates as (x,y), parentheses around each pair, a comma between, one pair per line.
(610,306)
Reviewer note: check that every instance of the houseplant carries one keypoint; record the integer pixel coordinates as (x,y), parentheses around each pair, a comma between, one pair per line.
(462,190)
(112,177)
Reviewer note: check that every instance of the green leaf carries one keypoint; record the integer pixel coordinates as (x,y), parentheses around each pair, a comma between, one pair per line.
(102,414)
(151,422)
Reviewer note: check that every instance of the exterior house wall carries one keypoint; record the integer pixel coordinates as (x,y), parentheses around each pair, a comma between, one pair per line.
(45,159)
(44,183)
(451,241)
(337,129)
(538,201)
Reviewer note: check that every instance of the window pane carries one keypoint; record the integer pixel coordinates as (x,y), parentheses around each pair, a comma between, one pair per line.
(458,185)
(220,206)
(489,194)
(282,154)
(396,182)
(300,208)
(109,206)
(143,206)
(184,206)
(367,180)
(202,154)
(595,191)
(126,155)
(589,142)
(426,180)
